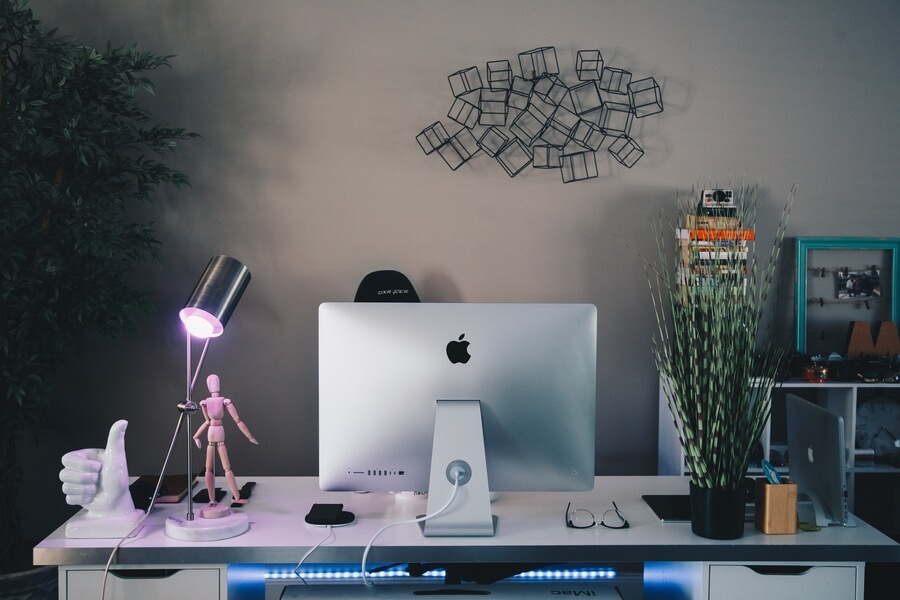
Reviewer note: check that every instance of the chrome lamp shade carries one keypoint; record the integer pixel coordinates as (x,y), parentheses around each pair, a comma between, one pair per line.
(214,298)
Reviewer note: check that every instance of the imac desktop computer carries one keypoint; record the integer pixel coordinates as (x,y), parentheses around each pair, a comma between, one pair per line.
(817,460)
(457,400)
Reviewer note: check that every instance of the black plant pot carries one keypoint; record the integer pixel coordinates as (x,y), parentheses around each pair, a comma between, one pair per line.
(717,514)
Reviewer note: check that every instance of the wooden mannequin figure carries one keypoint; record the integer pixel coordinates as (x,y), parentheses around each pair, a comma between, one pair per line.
(214,409)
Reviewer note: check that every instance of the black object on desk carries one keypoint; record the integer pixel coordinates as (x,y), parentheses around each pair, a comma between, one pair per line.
(173,489)
(670,508)
(676,508)
(203,495)
(329,514)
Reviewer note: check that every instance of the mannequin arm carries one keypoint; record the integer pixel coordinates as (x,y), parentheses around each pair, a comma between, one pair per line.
(202,429)
(241,425)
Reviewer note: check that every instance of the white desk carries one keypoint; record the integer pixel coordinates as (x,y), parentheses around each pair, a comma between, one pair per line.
(531,529)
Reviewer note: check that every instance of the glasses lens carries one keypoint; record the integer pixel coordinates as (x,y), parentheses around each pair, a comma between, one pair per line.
(581,518)
(612,518)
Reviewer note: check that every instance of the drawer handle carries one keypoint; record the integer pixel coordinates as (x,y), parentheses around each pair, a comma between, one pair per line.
(451,592)
(781,569)
(144,573)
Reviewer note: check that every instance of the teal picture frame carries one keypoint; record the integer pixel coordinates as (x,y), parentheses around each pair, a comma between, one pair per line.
(807,245)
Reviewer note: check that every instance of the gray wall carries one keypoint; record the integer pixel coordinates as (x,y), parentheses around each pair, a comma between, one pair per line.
(309,172)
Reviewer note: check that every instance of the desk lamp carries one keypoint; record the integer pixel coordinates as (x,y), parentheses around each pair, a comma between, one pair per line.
(205,315)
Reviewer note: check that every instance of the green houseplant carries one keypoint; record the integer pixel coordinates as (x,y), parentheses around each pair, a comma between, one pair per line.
(719,366)
(77,153)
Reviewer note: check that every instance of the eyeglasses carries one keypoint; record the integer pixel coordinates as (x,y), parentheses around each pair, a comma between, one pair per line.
(582,518)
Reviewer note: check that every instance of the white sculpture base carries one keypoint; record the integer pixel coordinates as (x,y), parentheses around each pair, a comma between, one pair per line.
(85,526)
(207,530)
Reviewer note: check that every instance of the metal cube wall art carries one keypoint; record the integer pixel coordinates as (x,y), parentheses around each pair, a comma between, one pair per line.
(492,141)
(459,149)
(589,65)
(432,137)
(464,81)
(538,62)
(520,93)
(499,75)
(492,107)
(645,97)
(614,80)
(535,118)
(626,151)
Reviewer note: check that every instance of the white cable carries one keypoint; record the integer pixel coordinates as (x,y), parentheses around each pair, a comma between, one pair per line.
(313,549)
(115,549)
(436,513)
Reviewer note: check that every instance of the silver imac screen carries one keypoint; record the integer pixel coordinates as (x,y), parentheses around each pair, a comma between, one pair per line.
(383,367)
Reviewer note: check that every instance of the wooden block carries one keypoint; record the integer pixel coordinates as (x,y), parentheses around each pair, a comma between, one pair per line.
(860,341)
(888,342)
(776,506)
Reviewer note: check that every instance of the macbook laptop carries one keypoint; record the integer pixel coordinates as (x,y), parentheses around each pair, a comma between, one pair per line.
(817,460)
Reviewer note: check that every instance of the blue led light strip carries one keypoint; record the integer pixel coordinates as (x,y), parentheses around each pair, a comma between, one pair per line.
(342,573)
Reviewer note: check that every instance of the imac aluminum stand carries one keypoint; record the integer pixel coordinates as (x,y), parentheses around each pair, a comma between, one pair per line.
(458,451)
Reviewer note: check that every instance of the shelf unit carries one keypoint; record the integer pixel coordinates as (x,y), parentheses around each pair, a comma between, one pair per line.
(841,398)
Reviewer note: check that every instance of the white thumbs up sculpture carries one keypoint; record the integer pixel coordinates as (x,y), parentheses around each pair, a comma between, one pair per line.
(97,479)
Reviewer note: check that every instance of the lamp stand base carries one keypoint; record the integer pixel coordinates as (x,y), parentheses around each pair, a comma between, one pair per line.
(207,530)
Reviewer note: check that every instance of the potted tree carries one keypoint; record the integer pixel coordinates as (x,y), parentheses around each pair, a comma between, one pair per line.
(77,152)
(719,366)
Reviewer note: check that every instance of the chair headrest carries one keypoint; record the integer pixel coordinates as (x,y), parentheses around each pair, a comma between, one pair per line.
(386,286)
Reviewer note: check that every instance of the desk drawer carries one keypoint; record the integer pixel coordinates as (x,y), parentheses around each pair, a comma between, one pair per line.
(144,584)
(743,582)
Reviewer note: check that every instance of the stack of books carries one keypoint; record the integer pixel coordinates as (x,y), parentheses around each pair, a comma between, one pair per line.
(172,489)
(713,251)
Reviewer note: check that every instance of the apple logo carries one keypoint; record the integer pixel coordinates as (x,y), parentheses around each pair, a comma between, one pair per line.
(809,454)
(458,350)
